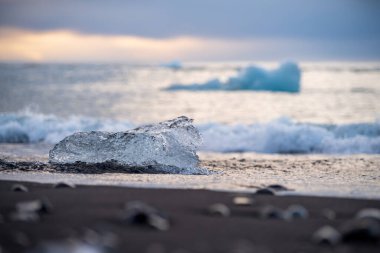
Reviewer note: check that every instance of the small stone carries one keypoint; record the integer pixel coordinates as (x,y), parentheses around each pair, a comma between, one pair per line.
(63,185)
(296,212)
(159,222)
(265,191)
(327,235)
(277,187)
(99,237)
(69,246)
(370,213)
(139,213)
(219,210)
(242,201)
(30,210)
(19,188)
(36,206)
(271,212)
(25,216)
(365,229)
(329,214)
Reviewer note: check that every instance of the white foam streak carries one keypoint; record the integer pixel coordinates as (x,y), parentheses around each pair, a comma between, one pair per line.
(279,136)
(285,136)
(33,127)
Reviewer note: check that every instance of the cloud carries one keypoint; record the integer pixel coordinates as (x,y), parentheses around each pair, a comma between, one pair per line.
(320,19)
(161,30)
(66,45)
(71,46)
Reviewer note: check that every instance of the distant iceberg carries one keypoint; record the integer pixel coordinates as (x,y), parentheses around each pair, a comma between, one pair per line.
(172,65)
(286,78)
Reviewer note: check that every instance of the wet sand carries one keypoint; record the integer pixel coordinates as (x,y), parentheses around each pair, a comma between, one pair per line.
(92,215)
(321,175)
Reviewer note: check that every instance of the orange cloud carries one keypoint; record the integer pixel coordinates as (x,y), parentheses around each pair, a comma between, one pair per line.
(66,45)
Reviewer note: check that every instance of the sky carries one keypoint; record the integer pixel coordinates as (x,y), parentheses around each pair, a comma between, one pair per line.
(197,30)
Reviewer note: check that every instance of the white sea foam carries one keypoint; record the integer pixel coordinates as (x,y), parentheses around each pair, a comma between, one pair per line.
(286,78)
(279,136)
(286,136)
(29,127)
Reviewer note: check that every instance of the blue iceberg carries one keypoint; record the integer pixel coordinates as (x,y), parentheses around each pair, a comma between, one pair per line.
(286,78)
(172,65)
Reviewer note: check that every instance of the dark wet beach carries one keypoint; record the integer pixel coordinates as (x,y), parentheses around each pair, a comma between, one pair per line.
(164,220)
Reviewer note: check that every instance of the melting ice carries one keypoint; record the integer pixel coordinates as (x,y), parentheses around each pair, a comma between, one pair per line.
(286,79)
(168,147)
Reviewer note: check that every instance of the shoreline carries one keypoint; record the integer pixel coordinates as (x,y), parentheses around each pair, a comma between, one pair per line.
(87,212)
(355,176)
(53,178)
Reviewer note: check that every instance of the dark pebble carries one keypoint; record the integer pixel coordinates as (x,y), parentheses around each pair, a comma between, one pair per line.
(24,216)
(141,214)
(63,185)
(361,230)
(219,210)
(271,212)
(101,237)
(277,187)
(265,191)
(38,206)
(19,188)
(296,212)
(73,245)
(369,213)
(242,201)
(326,235)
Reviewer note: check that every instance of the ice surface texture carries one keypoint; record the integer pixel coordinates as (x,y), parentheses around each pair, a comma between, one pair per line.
(286,79)
(169,146)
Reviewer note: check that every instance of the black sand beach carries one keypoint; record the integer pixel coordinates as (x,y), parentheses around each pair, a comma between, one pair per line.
(93,215)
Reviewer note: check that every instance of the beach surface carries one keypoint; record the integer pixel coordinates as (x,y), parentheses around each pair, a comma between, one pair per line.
(355,176)
(91,216)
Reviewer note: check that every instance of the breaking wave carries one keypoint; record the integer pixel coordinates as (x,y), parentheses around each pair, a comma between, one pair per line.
(283,135)
(286,78)
(29,127)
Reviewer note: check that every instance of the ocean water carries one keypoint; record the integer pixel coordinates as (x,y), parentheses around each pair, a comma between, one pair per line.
(336,111)
(333,112)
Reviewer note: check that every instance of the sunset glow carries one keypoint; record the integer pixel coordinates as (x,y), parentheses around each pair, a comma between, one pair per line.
(66,45)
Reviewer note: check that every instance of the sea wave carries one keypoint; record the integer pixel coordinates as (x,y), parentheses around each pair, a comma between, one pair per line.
(30,127)
(284,135)
(286,78)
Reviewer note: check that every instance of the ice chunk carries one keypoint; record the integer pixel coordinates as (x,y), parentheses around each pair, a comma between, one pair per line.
(169,146)
(285,79)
